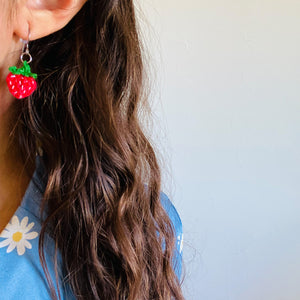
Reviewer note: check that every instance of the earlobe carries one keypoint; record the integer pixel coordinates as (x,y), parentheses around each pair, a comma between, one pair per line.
(45,17)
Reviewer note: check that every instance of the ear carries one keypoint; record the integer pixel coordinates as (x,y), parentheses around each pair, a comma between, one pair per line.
(44,17)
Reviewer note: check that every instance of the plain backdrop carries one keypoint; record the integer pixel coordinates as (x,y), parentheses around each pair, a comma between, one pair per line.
(227,104)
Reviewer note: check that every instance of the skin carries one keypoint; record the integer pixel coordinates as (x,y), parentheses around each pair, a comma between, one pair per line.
(43,17)
(13,183)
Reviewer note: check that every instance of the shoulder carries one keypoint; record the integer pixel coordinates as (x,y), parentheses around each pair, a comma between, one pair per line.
(177,226)
(172,212)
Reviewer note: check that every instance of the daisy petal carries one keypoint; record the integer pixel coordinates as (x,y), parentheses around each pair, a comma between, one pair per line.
(5,243)
(11,246)
(28,227)
(9,227)
(15,221)
(5,234)
(27,244)
(21,248)
(24,222)
(30,235)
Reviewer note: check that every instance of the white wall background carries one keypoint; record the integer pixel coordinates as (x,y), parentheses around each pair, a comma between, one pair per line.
(228,78)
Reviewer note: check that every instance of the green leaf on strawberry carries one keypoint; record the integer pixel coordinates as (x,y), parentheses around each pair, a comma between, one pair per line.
(24,70)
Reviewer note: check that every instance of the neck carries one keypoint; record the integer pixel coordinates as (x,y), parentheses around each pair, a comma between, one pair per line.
(14,177)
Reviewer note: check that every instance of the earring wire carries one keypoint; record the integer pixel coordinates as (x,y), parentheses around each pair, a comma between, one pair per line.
(25,50)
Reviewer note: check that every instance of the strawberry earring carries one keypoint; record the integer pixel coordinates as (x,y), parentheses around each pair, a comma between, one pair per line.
(20,81)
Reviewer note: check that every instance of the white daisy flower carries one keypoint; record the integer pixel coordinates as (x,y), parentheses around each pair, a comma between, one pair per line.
(17,235)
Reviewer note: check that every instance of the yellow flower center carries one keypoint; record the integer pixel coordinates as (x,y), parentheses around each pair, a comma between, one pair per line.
(17,236)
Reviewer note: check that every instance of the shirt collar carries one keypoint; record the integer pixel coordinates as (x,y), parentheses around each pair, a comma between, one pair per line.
(35,190)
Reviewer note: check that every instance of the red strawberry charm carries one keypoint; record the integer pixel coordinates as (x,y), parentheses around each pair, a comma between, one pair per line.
(20,81)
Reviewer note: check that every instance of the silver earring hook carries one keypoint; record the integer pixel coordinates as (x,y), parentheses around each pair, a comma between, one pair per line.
(25,50)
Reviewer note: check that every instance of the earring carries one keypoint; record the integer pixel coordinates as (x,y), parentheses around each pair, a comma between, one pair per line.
(20,81)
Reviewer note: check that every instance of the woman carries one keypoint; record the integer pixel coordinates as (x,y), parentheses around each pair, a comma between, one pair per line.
(81,212)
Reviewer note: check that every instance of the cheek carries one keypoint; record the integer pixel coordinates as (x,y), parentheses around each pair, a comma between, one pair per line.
(6,32)
(5,41)
(7,44)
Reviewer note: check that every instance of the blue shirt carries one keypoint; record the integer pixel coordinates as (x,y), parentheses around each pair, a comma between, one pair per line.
(21,272)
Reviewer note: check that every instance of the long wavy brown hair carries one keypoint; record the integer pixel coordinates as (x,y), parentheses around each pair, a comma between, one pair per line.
(103,186)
